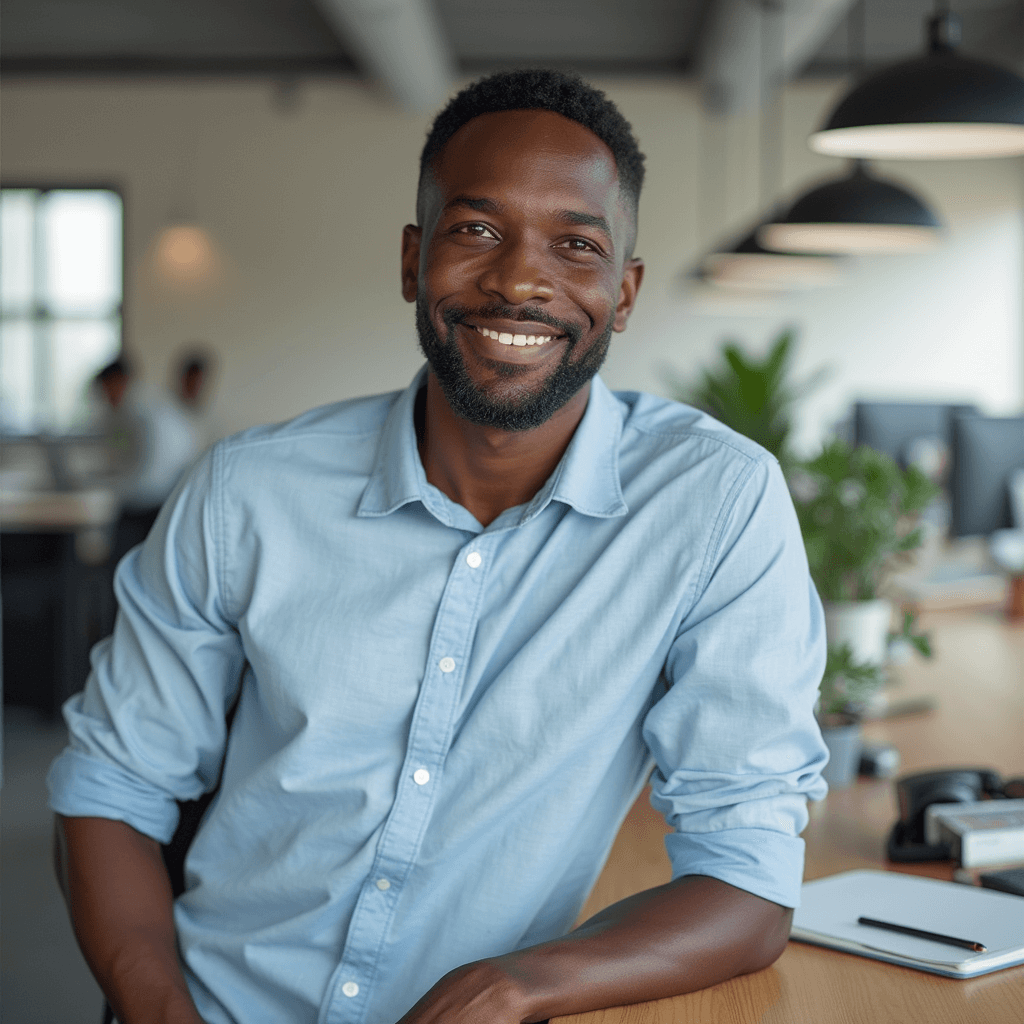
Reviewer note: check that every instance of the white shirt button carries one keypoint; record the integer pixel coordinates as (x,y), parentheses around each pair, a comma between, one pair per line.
(473,560)
(350,988)
(383,884)
(446,664)
(421,776)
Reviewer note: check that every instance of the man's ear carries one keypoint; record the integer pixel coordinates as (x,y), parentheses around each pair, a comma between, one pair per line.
(411,236)
(632,277)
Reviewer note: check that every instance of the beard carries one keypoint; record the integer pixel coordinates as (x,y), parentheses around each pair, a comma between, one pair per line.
(511,407)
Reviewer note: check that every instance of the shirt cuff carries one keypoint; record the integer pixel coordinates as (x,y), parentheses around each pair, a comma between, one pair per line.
(766,863)
(82,786)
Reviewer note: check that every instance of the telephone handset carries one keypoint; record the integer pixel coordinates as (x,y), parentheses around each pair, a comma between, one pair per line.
(915,793)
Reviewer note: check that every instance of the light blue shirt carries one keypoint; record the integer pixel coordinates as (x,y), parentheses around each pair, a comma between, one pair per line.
(441,726)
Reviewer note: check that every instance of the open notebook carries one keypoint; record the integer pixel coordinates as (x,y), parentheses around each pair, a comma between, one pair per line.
(830,908)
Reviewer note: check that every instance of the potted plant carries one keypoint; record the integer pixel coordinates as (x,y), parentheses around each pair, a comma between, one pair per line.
(844,693)
(857,512)
(753,396)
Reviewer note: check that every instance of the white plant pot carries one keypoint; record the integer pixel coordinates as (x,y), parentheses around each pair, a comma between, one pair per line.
(844,744)
(864,625)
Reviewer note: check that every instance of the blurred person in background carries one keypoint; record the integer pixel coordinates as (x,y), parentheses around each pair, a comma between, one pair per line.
(195,370)
(150,444)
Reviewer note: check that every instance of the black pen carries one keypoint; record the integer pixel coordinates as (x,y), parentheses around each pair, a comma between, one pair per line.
(920,933)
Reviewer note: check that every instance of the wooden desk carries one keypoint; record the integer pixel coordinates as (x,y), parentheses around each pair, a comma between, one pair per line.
(978,677)
(58,511)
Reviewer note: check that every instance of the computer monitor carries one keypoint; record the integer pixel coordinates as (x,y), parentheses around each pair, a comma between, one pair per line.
(892,427)
(985,451)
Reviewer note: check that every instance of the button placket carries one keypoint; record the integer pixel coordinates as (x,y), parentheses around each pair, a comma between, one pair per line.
(429,737)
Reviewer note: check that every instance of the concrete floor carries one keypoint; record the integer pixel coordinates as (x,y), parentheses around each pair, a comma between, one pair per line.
(43,978)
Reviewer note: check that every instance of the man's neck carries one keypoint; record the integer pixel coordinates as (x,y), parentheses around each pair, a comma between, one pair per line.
(487,470)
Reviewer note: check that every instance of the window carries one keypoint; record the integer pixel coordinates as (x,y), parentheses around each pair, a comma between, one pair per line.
(61,285)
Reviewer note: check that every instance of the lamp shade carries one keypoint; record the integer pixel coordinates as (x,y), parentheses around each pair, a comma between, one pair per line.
(184,256)
(748,265)
(940,106)
(858,213)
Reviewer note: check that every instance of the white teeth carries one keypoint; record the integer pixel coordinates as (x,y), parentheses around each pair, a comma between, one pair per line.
(515,339)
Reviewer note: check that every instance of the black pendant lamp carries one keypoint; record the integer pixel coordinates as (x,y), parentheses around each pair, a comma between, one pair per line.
(749,266)
(942,106)
(746,265)
(858,213)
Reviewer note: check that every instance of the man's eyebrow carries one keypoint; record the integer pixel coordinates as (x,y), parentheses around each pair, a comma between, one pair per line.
(475,203)
(589,220)
(484,205)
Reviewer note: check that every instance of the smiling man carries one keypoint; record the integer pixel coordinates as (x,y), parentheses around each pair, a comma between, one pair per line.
(461,626)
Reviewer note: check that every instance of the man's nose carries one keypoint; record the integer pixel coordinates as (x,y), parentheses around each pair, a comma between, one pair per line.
(515,273)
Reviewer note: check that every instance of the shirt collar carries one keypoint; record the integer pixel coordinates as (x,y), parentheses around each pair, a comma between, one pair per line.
(586,478)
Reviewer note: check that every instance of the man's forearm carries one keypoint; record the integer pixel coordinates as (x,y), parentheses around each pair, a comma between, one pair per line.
(689,934)
(116,887)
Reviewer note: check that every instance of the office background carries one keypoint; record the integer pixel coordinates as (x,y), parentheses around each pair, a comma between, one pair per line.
(305,198)
(303,183)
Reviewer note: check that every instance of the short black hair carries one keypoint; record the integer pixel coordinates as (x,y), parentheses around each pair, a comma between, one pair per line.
(542,89)
(120,367)
(194,360)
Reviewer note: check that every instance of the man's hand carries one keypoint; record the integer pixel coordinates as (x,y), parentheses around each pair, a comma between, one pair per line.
(483,991)
(689,934)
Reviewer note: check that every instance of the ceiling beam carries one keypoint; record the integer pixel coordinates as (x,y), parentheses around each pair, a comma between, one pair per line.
(733,41)
(398,43)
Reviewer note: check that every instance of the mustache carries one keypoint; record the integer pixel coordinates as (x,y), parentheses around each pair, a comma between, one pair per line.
(521,314)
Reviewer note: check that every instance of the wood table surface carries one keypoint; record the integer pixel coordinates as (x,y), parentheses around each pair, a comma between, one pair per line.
(977,678)
(56,511)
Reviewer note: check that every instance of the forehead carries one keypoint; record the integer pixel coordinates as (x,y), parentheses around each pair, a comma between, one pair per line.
(529,154)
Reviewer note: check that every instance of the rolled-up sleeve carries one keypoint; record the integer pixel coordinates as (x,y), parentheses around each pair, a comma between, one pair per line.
(736,747)
(149,727)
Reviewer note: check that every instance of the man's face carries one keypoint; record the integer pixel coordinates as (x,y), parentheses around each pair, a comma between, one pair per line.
(519,267)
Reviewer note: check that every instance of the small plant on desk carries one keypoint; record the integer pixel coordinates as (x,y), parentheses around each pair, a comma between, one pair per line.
(846,687)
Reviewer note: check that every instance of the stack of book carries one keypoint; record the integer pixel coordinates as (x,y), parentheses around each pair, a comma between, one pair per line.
(980,834)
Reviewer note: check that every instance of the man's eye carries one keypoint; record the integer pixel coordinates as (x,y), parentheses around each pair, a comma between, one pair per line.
(476,230)
(578,245)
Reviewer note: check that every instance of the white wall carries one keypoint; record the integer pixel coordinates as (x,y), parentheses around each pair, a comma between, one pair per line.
(307,206)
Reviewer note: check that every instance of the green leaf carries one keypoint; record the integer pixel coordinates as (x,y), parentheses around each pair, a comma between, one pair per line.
(752,395)
(859,522)
(847,685)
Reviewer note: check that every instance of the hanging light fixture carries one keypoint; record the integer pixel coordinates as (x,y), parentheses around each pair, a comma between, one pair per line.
(747,265)
(942,106)
(184,255)
(858,213)
(183,258)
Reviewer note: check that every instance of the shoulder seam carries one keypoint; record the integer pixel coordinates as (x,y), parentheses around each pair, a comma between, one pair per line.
(240,443)
(755,457)
(221,530)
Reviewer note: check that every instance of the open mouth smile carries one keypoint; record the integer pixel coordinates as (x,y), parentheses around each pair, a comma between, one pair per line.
(519,340)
